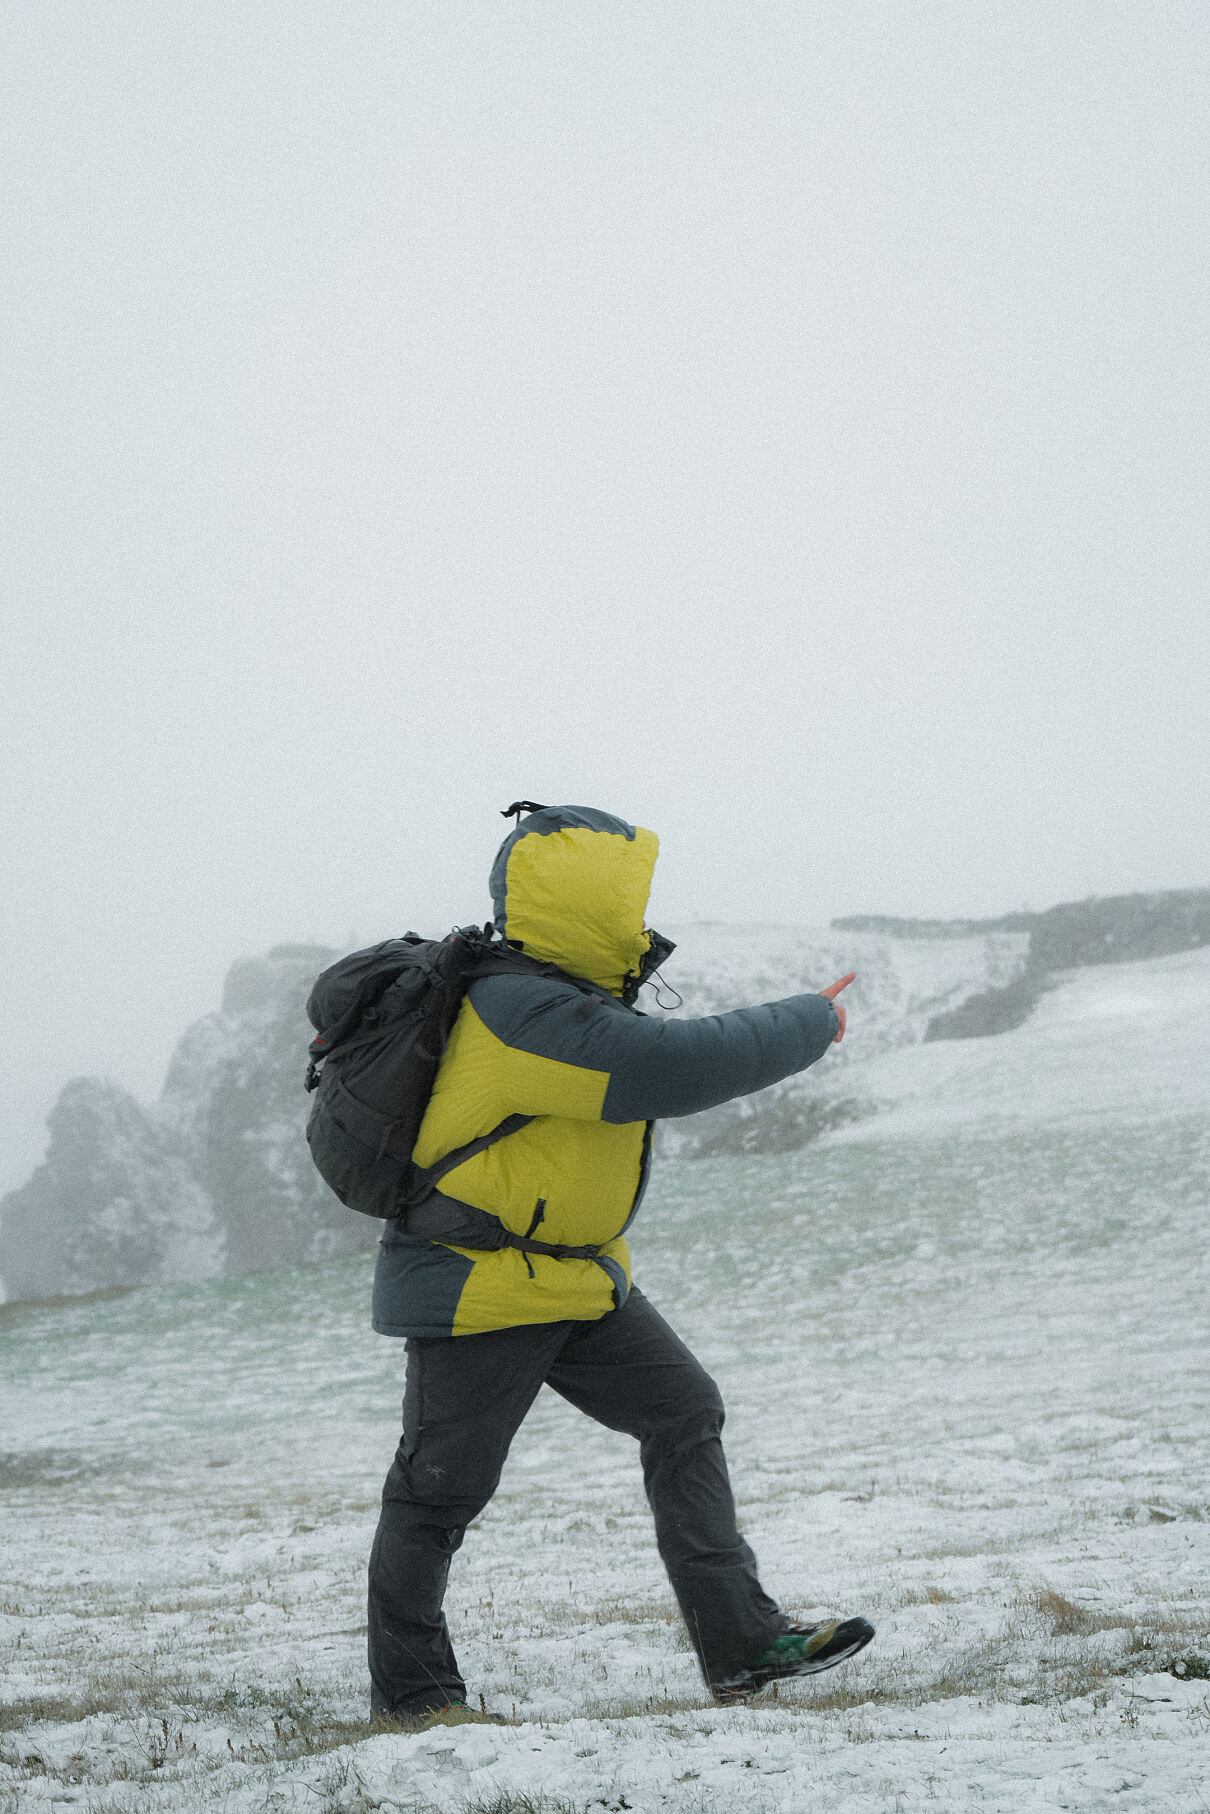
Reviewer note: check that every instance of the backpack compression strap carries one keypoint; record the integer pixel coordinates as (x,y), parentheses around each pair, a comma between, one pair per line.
(524,1245)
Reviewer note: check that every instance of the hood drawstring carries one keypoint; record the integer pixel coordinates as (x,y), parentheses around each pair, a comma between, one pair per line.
(655,981)
(521,806)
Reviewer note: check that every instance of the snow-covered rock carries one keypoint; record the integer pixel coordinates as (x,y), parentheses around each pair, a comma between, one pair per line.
(214,1177)
(117,1201)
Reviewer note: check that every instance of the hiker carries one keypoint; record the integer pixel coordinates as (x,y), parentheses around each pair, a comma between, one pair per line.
(488,1325)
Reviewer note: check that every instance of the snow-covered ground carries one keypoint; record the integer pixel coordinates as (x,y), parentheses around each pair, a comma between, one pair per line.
(964,1349)
(1120,1042)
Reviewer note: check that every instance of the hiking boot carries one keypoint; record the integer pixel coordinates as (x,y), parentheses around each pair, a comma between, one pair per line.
(799,1650)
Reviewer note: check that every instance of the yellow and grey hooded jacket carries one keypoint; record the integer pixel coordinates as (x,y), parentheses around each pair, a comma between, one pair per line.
(570,888)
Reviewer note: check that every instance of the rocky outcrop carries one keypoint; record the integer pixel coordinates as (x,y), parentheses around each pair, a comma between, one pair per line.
(214,1177)
(1119,929)
(1104,929)
(1116,929)
(116,1202)
(234,1097)
(991,1010)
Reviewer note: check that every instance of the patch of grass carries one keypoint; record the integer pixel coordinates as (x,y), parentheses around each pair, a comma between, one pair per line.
(568,1613)
(976,1546)
(162,1744)
(217,1600)
(98,1695)
(341,1790)
(156,1745)
(1068,1620)
(302,1721)
(1084,1676)
(28,1310)
(159,1741)
(930,1595)
(841,1691)
(448,1716)
(643,1707)
(1175,1639)
(1157,1635)
(49,1467)
(295,1737)
(989,1668)
(515,1802)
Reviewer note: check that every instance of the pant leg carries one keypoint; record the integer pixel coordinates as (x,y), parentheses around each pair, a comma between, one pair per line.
(632,1373)
(464,1398)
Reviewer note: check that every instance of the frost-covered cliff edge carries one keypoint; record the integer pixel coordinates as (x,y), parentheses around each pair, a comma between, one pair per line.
(903,983)
(213,1177)
(216,1176)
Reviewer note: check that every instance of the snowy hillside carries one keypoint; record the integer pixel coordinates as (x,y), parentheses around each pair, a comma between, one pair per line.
(962,1344)
(1108,1043)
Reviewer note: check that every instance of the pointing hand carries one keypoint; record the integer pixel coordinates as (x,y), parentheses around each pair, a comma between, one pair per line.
(831,992)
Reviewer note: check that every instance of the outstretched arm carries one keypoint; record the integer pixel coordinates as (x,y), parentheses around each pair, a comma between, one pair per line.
(648,1068)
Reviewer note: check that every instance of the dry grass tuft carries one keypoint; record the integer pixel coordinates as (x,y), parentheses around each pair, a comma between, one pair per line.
(651,1706)
(448,1716)
(128,1693)
(1067,1620)
(512,1802)
(929,1595)
(571,1615)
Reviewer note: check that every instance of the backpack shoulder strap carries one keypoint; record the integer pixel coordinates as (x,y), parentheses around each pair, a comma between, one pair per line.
(430,1174)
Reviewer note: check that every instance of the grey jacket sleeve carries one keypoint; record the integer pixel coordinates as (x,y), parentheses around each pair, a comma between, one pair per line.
(657,1067)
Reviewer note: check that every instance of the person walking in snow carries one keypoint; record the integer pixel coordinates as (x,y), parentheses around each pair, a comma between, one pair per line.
(514,1272)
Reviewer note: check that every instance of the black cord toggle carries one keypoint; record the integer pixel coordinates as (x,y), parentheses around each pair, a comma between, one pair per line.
(521,806)
(655,981)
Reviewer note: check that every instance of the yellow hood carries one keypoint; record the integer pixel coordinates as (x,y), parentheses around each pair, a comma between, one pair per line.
(570,886)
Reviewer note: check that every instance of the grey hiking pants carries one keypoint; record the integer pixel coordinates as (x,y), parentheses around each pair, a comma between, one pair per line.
(464,1399)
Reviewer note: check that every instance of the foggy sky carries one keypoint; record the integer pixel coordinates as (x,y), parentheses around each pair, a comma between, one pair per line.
(782,425)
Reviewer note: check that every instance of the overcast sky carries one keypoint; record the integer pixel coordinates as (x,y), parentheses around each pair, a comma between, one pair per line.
(784,425)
